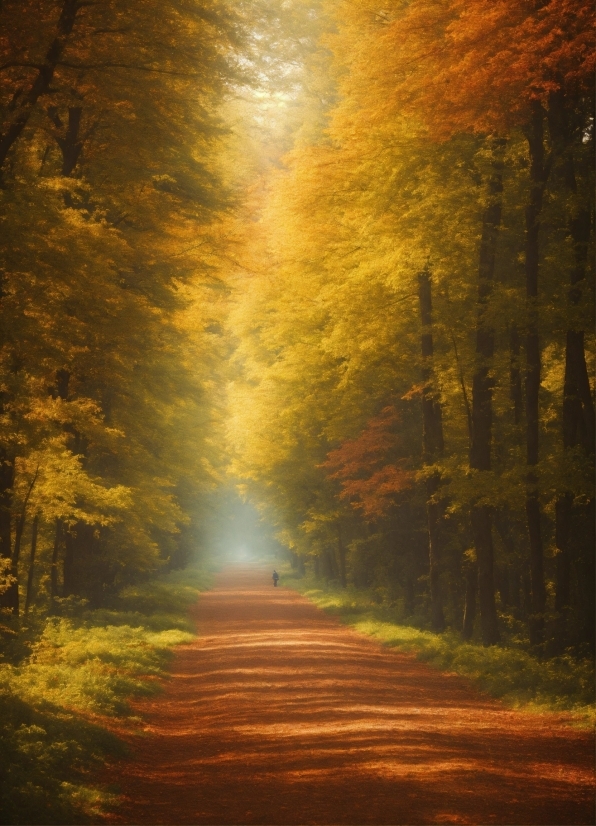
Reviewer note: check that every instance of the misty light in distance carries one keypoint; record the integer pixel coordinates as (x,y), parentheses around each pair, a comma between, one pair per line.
(242,554)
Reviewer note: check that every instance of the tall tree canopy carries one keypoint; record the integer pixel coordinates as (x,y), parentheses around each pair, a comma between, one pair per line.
(109,208)
(425,248)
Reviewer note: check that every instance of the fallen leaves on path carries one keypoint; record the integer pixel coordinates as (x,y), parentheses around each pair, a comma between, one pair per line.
(278,714)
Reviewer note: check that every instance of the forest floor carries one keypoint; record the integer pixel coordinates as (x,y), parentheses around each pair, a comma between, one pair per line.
(278,714)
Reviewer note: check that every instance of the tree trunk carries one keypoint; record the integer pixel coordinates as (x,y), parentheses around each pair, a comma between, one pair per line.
(579,421)
(19,528)
(482,394)
(527,593)
(536,566)
(587,578)
(470,605)
(539,172)
(515,385)
(68,562)
(73,536)
(30,573)
(409,594)
(515,590)
(435,512)
(482,533)
(329,564)
(433,446)
(502,580)
(333,563)
(578,404)
(54,564)
(71,144)
(341,554)
(10,598)
(509,587)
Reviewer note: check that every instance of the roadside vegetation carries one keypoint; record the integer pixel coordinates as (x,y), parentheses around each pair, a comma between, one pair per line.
(509,671)
(65,685)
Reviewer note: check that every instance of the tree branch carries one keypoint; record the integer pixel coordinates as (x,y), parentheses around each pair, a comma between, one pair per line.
(100,66)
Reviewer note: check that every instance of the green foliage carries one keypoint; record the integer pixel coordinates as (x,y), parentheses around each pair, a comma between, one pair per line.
(78,671)
(173,593)
(46,753)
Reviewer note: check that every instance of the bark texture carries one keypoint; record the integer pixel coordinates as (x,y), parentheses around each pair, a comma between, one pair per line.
(482,397)
(539,173)
(433,446)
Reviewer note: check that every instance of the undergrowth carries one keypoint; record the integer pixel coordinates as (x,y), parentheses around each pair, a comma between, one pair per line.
(507,671)
(61,677)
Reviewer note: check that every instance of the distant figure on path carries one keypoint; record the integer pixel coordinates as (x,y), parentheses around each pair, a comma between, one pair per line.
(275,577)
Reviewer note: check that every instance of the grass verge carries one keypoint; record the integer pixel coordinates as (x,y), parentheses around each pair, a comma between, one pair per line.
(509,673)
(81,669)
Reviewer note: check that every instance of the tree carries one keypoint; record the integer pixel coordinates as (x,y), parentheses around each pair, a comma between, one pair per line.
(111,197)
(413,164)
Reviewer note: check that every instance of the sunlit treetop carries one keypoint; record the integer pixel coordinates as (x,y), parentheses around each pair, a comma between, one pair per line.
(462,65)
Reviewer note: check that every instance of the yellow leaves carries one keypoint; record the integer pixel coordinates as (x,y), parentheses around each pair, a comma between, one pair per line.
(325,314)
(6,579)
(286,538)
(63,490)
(77,412)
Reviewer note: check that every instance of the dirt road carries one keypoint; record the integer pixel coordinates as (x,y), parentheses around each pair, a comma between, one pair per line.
(278,714)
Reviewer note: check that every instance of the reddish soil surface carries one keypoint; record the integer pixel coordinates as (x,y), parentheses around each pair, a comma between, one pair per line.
(278,714)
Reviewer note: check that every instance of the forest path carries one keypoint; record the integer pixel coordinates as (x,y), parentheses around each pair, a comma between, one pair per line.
(278,714)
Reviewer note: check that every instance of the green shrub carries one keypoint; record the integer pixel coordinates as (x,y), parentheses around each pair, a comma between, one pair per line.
(169,595)
(46,753)
(71,667)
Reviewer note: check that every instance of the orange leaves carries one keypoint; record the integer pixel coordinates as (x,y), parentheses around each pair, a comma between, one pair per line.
(474,65)
(374,496)
(367,478)
(364,452)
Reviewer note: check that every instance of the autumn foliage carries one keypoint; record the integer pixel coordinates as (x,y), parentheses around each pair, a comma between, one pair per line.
(344,253)
(109,198)
(361,465)
(476,66)
(336,256)
(427,237)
